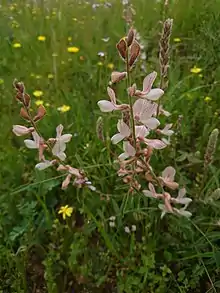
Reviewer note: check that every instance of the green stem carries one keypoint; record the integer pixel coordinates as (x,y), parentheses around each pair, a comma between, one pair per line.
(130,98)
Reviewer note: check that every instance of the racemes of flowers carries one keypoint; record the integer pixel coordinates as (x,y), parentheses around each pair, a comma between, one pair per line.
(140,131)
(52,147)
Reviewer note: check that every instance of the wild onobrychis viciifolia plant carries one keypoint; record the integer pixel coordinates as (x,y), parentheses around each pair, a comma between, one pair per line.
(139,127)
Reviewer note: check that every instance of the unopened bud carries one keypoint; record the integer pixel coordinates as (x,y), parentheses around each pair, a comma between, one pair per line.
(122,48)
(132,90)
(117,76)
(24,114)
(20,130)
(41,112)
(19,86)
(211,147)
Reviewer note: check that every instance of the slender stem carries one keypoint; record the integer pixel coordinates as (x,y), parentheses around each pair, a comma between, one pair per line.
(130,98)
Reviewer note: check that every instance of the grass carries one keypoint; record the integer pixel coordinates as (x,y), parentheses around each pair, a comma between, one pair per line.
(40,251)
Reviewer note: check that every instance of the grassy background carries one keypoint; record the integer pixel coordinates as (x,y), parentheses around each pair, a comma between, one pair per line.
(37,249)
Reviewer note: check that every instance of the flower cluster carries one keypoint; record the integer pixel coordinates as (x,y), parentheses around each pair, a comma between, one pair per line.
(139,128)
(53,147)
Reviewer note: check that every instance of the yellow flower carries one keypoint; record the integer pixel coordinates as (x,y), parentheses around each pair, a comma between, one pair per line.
(110,66)
(17,45)
(39,102)
(64,108)
(50,76)
(177,40)
(207,99)
(38,94)
(1,81)
(69,39)
(66,211)
(73,49)
(100,63)
(195,70)
(41,38)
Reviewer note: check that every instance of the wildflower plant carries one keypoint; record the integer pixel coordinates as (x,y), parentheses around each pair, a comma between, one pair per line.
(139,127)
(51,152)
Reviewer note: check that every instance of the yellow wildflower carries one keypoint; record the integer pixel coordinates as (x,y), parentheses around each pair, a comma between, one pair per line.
(39,102)
(177,40)
(41,38)
(207,99)
(110,66)
(69,39)
(38,76)
(73,49)
(195,70)
(17,45)
(100,63)
(64,108)
(1,81)
(66,211)
(38,94)
(50,76)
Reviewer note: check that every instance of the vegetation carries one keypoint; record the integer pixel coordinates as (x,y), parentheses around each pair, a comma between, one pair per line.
(107,240)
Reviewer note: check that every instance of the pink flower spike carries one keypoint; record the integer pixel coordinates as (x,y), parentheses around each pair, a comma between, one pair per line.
(129,151)
(20,130)
(124,131)
(33,144)
(168,178)
(155,143)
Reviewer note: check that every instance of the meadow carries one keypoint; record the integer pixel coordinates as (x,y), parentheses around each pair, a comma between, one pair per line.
(107,239)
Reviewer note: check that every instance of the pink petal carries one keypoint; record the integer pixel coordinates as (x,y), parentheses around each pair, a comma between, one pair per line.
(36,138)
(123,156)
(138,107)
(117,76)
(106,106)
(20,130)
(117,138)
(31,144)
(123,128)
(181,193)
(141,131)
(61,156)
(151,123)
(151,188)
(169,173)
(66,181)
(148,81)
(111,94)
(43,165)
(156,143)
(59,130)
(171,184)
(66,138)
(148,193)
(185,200)
(148,109)
(154,94)
(129,149)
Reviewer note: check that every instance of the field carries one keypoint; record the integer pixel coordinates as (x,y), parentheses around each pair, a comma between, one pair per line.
(109,237)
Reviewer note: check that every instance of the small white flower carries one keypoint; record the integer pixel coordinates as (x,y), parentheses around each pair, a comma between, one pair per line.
(127,229)
(112,224)
(112,218)
(101,54)
(60,144)
(133,228)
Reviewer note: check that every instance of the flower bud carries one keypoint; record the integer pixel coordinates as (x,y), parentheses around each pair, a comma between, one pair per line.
(20,130)
(117,76)
(41,112)
(122,48)
(135,51)
(130,37)
(24,114)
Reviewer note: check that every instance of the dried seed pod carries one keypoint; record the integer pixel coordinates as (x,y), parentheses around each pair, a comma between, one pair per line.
(135,51)
(26,100)
(122,48)
(24,114)
(41,112)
